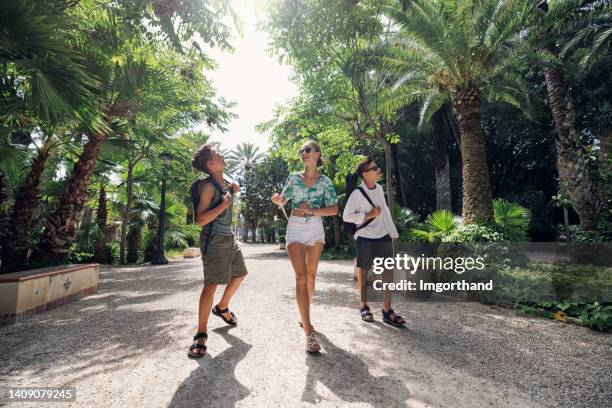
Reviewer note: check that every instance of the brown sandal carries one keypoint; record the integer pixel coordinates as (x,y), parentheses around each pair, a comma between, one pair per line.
(312,345)
(366,315)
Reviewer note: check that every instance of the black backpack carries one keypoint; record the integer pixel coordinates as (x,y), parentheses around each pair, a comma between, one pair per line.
(350,228)
(195,190)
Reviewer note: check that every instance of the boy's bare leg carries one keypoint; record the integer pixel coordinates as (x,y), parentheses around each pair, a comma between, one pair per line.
(228,293)
(206,300)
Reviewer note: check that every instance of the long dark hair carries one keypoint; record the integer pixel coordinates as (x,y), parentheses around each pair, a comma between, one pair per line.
(353,178)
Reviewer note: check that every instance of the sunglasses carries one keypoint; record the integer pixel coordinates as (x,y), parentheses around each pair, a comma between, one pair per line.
(372,169)
(307,149)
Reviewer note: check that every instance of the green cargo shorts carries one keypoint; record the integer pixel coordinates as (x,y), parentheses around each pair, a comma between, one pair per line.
(223,261)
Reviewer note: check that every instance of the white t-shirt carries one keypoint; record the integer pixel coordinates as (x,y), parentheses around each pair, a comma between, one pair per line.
(357,206)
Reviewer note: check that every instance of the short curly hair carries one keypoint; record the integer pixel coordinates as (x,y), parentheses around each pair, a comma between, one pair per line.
(201,156)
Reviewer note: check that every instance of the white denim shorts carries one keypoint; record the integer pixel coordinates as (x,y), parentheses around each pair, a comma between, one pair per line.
(305,230)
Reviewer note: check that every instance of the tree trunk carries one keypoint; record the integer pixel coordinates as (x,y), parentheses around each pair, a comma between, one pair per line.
(606,143)
(245,229)
(441,164)
(189,218)
(101,220)
(572,165)
(398,177)
(60,226)
(133,239)
(254,230)
(476,187)
(389,176)
(337,231)
(127,212)
(27,200)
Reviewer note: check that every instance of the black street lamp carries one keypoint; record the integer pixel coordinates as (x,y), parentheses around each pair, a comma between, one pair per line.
(160,258)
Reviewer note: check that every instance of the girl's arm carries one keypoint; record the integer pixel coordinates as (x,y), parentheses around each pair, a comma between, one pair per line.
(326,211)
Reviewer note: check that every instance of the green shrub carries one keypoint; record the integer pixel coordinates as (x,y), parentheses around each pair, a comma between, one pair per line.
(474,233)
(511,219)
(438,225)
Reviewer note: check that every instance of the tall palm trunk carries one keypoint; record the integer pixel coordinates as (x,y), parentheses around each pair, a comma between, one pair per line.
(441,164)
(389,176)
(127,212)
(398,178)
(60,226)
(101,220)
(15,250)
(476,187)
(572,166)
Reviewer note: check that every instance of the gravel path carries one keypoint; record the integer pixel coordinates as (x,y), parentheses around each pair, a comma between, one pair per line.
(126,347)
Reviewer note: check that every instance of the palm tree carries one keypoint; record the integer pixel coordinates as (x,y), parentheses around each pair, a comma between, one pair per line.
(243,156)
(592,27)
(556,20)
(128,84)
(460,49)
(27,200)
(144,212)
(438,225)
(511,219)
(42,74)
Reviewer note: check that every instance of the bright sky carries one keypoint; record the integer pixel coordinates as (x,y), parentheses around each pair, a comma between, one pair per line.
(250,77)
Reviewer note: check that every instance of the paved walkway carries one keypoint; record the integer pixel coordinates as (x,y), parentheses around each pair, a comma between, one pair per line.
(126,347)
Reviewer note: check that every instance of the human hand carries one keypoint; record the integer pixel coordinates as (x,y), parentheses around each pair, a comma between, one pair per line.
(235,187)
(375,212)
(278,199)
(306,208)
(226,200)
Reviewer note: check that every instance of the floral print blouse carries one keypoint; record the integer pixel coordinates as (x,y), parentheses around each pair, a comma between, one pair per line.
(322,193)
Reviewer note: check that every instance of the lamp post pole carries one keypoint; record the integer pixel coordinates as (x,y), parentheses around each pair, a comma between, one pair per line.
(160,258)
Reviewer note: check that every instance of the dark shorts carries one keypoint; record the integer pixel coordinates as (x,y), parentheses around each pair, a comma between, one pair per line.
(223,261)
(369,248)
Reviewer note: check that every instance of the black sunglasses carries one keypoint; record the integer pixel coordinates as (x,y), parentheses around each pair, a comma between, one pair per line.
(307,149)
(371,168)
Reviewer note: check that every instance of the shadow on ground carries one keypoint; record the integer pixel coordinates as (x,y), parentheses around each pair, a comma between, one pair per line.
(118,322)
(214,383)
(347,376)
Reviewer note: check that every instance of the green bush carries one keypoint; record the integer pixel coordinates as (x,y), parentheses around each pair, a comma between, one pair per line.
(438,225)
(511,219)
(343,251)
(474,233)
(581,291)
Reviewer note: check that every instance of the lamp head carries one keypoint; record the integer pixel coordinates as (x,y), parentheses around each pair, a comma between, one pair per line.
(166,158)
(543,6)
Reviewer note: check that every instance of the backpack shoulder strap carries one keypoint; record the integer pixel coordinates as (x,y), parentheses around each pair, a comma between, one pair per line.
(366,196)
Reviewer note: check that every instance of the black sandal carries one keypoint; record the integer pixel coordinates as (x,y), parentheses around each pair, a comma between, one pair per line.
(194,349)
(366,315)
(219,312)
(397,321)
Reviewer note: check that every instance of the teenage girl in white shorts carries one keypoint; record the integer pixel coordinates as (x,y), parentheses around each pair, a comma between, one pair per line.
(312,196)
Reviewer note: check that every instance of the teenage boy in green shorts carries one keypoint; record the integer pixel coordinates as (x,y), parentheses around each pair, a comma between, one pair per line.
(222,259)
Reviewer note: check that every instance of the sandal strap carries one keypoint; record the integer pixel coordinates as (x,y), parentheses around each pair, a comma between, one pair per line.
(197,346)
(221,310)
(200,335)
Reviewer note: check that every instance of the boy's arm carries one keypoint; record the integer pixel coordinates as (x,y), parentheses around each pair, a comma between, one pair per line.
(203,214)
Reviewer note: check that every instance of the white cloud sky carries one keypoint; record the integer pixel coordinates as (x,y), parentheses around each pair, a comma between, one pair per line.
(250,77)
